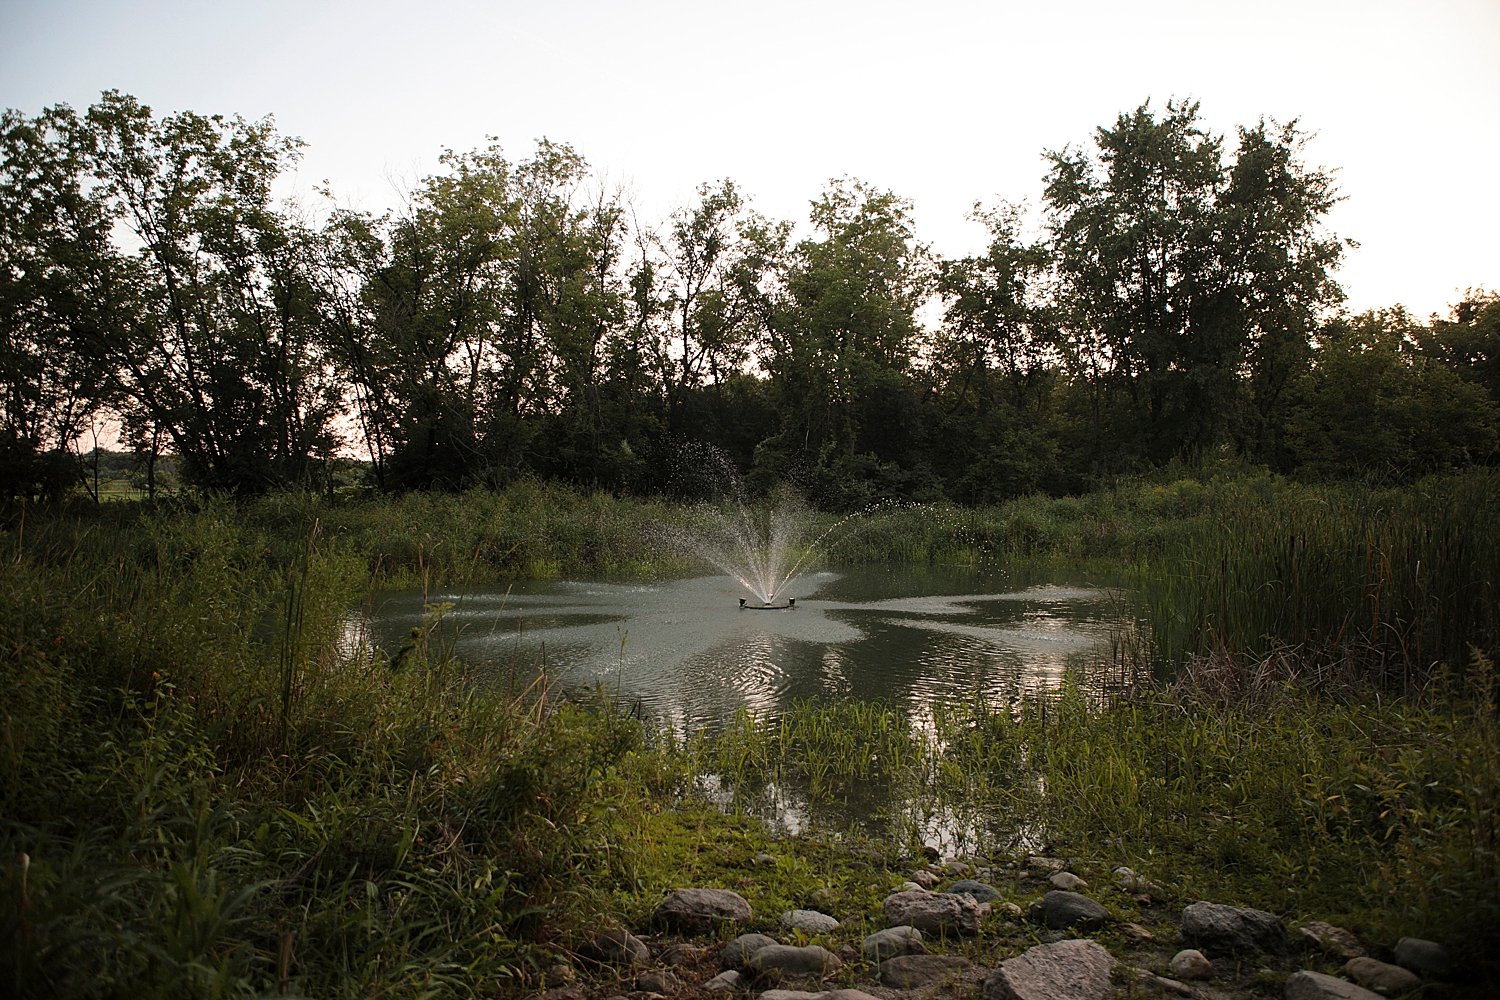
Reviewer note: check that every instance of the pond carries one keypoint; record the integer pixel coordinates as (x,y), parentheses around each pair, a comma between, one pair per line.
(686,655)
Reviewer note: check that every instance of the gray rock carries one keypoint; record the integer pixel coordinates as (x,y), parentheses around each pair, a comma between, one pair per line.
(893,941)
(1331,940)
(617,947)
(1220,929)
(1190,963)
(790,995)
(910,886)
(808,920)
(696,911)
(1067,881)
(1136,934)
(1309,985)
(725,982)
(1129,881)
(1041,863)
(765,859)
(925,879)
(907,972)
(682,954)
(933,912)
(1382,977)
(736,954)
(1426,958)
(982,892)
(1011,911)
(782,961)
(1068,970)
(656,982)
(1059,909)
(845,994)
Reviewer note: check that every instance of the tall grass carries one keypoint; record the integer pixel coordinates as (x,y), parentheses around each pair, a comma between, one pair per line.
(1391,587)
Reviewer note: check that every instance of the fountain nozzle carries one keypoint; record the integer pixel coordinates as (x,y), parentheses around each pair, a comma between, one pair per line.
(791,602)
(742,602)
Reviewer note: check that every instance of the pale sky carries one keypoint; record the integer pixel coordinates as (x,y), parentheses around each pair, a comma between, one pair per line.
(943,102)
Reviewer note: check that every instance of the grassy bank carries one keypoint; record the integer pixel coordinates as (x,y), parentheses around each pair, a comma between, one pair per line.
(205,790)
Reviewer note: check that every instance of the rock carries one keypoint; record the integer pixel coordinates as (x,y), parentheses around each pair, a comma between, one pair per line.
(1067,881)
(563,993)
(725,982)
(682,954)
(558,974)
(808,920)
(925,879)
(845,994)
(1189,963)
(931,853)
(1331,940)
(1129,881)
(1068,970)
(1041,863)
(909,886)
(933,912)
(736,954)
(958,869)
(790,995)
(1382,977)
(780,961)
(907,972)
(696,911)
(1426,958)
(893,941)
(1145,977)
(1217,928)
(1011,911)
(765,859)
(656,982)
(982,892)
(1309,985)
(1059,909)
(1136,934)
(617,947)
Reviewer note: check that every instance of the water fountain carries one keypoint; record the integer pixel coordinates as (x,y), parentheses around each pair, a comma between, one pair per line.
(762,546)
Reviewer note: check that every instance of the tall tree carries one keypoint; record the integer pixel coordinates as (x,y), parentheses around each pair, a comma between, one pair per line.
(57,273)
(842,345)
(996,365)
(1135,242)
(219,349)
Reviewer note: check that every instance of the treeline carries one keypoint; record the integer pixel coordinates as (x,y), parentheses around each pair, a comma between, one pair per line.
(512,318)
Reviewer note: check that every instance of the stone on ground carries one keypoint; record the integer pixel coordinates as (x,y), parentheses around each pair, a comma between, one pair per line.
(1190,963)
(1426,958)
(908,972)
(1219,929)
(784,961)
(736,954)
(1309,985)
(1331,940)
(893,941)
(933,912)
(1075,969)
(1382,977)
(808,920)
(1059,909)
(982,892)
(697,911)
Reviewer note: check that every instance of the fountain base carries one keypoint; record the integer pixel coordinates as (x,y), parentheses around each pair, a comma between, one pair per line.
(791,604)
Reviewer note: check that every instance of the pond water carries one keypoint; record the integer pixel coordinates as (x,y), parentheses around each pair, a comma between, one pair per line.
(689,657)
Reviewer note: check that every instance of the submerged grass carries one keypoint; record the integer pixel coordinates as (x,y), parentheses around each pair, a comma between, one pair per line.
(209,788)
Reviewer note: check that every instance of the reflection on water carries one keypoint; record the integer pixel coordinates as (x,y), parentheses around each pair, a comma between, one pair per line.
(684,651)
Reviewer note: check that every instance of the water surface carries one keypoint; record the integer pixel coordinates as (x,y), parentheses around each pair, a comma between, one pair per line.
(689,657)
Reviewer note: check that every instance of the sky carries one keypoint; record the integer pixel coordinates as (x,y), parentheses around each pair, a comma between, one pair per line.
(943,102)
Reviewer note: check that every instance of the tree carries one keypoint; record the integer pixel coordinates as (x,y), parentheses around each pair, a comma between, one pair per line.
(1135,243)
(56,269)
(1373,404)
(1281,262)
(841,339)
(996,366)
(214,337)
